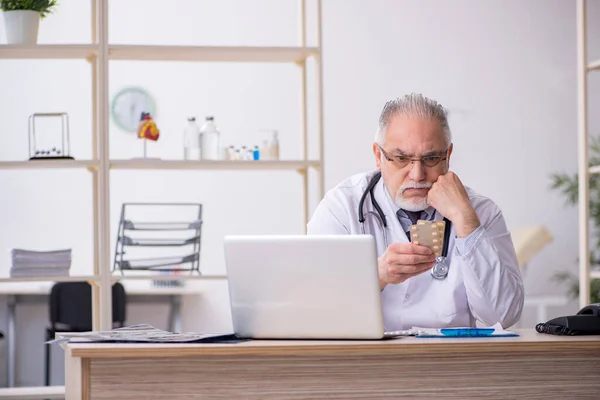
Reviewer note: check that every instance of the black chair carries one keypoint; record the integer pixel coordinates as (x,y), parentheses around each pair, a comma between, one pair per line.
(71,311)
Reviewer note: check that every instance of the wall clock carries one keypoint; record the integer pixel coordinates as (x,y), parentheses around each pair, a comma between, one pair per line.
(128,105)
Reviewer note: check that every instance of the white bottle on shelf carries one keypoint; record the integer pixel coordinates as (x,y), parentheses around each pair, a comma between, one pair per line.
(265,154)
(210,140)
(191,141)
(274,147)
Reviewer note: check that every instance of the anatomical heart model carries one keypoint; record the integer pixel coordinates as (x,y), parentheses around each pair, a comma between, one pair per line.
(147,130)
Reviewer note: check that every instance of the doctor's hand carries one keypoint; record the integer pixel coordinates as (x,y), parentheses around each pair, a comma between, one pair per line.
(402,261)
(450,198)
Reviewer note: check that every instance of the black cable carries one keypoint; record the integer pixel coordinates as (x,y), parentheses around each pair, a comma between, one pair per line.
(447,228)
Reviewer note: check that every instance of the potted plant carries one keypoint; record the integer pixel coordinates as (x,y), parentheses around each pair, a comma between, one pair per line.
(22,19)
(568,185)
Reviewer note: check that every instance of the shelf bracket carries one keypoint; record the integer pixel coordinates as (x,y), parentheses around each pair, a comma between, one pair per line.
(302,171)
(300,63)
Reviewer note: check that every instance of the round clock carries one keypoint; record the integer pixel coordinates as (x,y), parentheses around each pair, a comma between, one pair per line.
(128,105)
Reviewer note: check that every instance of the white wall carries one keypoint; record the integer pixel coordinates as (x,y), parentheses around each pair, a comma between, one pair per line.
(505,69)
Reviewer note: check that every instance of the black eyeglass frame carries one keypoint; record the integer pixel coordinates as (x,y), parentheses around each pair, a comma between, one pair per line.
(403,161)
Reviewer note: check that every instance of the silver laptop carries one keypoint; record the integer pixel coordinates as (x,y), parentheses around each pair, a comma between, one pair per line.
(304,286)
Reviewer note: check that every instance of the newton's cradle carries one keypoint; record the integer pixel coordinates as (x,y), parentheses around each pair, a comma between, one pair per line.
(61,147)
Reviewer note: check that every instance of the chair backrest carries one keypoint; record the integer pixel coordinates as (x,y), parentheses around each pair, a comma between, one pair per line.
(71,306)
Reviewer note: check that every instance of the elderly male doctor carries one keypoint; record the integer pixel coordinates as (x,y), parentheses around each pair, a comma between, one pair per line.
(412,151)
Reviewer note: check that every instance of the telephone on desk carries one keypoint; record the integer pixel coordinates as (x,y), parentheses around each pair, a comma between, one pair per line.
(585,322)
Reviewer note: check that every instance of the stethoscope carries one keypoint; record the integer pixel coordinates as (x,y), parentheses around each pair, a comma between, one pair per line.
(441,266)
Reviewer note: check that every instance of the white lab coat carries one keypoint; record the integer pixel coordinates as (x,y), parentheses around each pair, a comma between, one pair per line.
(485,284)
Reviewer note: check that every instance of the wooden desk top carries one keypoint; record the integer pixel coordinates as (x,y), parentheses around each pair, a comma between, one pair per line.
(529,341)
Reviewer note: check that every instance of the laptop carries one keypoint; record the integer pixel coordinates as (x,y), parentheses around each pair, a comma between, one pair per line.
(304,286)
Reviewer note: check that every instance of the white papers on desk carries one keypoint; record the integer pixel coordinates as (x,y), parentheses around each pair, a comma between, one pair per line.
(463,332)
(27,263)
(142,333)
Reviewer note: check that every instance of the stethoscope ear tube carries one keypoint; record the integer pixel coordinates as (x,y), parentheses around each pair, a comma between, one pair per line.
(369,190)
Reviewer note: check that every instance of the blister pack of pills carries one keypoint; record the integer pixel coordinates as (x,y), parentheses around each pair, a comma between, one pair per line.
(429,234)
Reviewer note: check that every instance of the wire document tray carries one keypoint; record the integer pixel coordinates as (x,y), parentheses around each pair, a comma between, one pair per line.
(128,241)
(160,264)
(159,237)
(161,226)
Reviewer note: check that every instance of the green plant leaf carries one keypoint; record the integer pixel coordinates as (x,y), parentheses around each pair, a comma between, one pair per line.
(568,186)
(44,7)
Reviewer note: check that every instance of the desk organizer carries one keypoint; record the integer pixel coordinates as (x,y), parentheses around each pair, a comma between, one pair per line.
(137,236)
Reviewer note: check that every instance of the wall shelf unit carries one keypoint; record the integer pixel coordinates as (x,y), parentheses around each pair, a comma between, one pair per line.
(45,164)
(584,170)
(211,53)
(98,54)
(163,53)
(48,51)
(156,164)
(213,165)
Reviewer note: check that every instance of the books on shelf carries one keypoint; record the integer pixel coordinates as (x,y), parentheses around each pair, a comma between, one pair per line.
(28,263)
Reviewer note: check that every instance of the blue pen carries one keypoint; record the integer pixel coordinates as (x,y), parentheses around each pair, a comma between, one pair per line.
(467,332)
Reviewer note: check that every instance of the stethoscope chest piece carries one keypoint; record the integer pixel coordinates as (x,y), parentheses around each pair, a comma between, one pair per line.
(440,268)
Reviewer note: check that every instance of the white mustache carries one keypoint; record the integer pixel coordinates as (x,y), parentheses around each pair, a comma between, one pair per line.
(414,185)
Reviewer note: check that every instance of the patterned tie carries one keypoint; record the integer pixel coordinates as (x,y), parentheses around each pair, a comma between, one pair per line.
(413,215)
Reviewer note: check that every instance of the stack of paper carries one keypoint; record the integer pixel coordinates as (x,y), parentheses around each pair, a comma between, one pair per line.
(144,333)
(26,263)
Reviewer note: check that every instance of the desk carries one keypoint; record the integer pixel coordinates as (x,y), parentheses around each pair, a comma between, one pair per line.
(38,292)
(533,366)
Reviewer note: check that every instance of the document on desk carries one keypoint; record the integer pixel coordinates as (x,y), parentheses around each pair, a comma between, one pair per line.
(143,333)
(494,331)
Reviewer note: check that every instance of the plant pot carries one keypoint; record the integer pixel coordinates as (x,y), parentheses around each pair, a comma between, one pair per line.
(21,26)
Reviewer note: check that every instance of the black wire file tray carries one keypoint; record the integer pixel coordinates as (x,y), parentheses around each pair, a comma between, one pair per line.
(159,237)
(161,226)
(159,264)
(159,242)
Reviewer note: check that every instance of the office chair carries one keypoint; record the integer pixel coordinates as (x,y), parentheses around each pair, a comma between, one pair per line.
(71,311)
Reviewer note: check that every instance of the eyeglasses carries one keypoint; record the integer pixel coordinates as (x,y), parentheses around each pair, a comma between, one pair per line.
(403,161)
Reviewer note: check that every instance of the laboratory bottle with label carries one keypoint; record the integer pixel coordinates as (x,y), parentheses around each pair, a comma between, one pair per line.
(191,141)
(210,143)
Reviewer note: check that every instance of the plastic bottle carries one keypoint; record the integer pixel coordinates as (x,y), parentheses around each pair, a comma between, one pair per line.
(274,147)
(191,141)
(210,140)
(256,153)
(244,153)
(230,152)
(265,154)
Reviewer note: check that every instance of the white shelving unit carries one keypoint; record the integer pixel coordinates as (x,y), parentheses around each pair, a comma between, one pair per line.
(99,54)
(584,67)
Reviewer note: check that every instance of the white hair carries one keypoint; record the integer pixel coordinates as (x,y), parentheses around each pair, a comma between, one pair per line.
(415,105)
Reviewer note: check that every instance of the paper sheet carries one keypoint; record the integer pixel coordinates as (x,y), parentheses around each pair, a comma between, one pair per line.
(142,333)
(494,331)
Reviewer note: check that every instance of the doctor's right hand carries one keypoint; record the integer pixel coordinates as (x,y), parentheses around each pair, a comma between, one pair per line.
(402,261)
